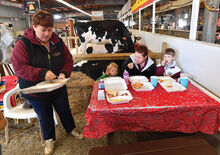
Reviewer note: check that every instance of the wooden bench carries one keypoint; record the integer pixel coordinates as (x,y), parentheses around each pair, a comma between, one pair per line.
(188,145)
(113,56)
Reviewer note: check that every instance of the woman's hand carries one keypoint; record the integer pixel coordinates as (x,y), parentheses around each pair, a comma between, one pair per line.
(130,65)
(61,76)
(50,75)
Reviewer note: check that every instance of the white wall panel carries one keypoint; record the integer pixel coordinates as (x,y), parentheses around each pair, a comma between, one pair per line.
(200,59)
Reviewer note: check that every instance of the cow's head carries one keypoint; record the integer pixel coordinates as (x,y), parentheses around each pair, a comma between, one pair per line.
(127,43)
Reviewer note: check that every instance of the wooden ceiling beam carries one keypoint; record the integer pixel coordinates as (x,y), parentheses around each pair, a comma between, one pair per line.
(98,2)
(75,12)
(119,3)
(99,8)
(108,2)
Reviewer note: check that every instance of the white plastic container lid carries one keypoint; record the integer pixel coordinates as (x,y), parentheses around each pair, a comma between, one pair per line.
(118,84)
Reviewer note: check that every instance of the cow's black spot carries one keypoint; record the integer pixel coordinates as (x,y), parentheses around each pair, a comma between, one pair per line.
(94,69)
(109,48)
(82,39)
(89,50)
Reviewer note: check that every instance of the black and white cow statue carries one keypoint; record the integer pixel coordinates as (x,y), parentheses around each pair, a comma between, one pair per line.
(112,33)
(7,41)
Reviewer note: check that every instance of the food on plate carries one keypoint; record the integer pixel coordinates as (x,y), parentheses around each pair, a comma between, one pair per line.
(117,100)
(112,93)
(160,80)
(169,84)
(124,94)
(164,80)
(137,85)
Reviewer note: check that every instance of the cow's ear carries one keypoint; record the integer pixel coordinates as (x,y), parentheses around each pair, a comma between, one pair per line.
(124,38)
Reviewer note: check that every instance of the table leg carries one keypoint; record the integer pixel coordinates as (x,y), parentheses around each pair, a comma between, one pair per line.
(110,138)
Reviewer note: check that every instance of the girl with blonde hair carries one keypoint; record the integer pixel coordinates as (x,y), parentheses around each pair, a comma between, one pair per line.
(111,70)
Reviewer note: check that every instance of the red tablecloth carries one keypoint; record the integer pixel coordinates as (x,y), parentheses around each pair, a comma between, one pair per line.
(189,111)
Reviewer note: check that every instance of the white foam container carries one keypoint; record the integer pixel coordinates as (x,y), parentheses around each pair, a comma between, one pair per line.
(138,78)
(176,87)
(122,99)
(118,84)
(147,86)
(164,78)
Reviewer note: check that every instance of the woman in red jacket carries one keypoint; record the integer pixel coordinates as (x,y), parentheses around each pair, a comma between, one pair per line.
(41,55)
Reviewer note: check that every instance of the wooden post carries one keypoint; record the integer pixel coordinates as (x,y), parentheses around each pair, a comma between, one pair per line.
(2,70)
(164,46)
(210,22)
(67,41)
(70,22)
(7,71)
(139,28)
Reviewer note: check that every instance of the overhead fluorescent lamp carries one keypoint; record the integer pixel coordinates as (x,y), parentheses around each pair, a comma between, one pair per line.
(57,16)
(73,7)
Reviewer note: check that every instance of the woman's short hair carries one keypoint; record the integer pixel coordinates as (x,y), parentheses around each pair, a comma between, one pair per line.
(43,18)
(143,50)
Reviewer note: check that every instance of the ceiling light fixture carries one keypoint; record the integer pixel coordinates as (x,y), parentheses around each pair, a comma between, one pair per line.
(71,6)
(57,17)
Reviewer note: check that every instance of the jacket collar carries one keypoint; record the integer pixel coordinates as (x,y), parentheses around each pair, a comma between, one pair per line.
(171,66)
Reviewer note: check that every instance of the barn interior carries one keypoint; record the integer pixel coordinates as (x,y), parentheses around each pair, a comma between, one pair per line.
(191,27)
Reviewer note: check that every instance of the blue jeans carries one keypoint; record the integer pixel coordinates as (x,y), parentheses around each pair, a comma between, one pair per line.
(44,109)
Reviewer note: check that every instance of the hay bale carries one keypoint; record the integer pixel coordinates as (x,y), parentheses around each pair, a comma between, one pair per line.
(79,89)
(79,79)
